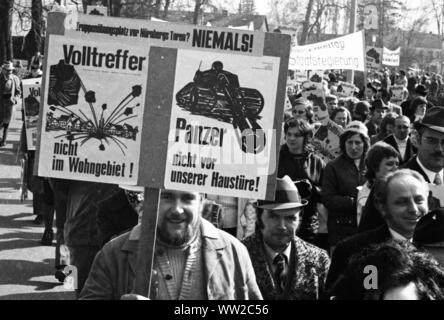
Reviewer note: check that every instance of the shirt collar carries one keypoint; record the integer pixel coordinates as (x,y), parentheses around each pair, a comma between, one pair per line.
(397,236)
(271,254)
(430,174)
(401,141)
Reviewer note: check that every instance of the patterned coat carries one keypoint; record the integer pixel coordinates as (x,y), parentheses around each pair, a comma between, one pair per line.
(307,270)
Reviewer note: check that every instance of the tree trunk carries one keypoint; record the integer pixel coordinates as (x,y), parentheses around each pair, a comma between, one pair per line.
(306,26)
(33,40)
(157,8)
(197,6)
(115,6)
(6,7)
(165,9)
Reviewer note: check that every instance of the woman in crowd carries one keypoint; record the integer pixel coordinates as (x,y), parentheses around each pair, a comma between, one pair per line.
(402,273)
(341,178)
(361,111)
(381,159)
(298,162)
(341,116)
(417,109)
(302,109)
(386,128)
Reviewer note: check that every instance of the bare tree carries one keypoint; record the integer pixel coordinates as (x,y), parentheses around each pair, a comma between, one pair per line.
(6,8)
(197,9)
(306,25)
(165,9)
(33,39)
(438,12)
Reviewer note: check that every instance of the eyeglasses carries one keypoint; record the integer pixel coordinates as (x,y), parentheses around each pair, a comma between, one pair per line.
(402,127)
(434,141)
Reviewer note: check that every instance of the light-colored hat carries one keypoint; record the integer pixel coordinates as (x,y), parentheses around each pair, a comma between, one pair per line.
(286,197)
(359,126)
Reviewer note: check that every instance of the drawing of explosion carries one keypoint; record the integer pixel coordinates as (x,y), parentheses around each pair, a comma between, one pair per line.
(64,87)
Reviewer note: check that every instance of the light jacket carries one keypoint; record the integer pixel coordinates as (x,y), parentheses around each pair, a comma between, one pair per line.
(228,270)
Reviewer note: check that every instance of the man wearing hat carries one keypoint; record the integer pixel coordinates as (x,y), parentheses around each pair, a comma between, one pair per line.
(10,93)
(429,160)
(378,111)
(286,267)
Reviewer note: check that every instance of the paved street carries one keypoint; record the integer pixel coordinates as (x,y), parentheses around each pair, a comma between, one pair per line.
(27,267)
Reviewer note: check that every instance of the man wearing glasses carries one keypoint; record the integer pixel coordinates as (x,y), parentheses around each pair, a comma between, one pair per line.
(430,158)
(400,139)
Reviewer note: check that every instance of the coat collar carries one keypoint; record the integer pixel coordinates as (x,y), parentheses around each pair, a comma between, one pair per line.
(299,254)
(212,244)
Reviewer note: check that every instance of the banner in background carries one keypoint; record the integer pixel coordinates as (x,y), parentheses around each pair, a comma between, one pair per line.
(345,52)
(391,57)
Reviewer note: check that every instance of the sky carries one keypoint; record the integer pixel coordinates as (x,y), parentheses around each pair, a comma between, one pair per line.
(416,9)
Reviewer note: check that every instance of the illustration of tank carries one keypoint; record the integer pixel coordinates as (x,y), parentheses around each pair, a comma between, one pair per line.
(217,94)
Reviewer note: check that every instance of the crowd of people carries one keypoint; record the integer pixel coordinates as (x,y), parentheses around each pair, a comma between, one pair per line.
(372,205)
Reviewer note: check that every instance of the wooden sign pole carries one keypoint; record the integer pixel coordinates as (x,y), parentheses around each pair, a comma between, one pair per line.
(147,240)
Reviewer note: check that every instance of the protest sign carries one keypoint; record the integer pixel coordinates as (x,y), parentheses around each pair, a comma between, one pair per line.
(315,92)
(91,128)
(345,52)
(326,140)
(205,149)
(210,121)
(398,93)
(31,105)
(391,57)
(373,58)
(345,89)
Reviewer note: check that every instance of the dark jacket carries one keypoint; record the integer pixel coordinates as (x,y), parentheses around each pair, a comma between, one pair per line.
(371,217)
(297,167)
(228,271)
(410,150)
(81,222)
(114,216)
(413,165)
(346,248)
(307,270)
(310,167)
(339,193)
